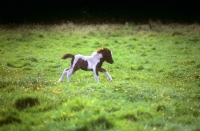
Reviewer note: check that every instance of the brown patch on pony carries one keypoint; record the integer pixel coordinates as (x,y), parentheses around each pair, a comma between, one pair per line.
(80,64)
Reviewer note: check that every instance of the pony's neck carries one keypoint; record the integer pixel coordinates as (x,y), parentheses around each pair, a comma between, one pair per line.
(97,55)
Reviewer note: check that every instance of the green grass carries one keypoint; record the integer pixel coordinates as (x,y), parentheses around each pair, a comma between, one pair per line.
(156,78)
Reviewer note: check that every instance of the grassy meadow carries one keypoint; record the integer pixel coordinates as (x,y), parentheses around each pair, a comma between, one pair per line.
(156,78)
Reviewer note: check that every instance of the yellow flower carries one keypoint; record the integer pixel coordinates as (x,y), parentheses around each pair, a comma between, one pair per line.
(73,114)
(51,116)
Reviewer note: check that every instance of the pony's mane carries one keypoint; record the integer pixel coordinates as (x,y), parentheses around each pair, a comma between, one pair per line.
(103,49)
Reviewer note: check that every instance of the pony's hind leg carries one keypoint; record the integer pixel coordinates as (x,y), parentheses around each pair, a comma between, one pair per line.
(63,75)
(69,73)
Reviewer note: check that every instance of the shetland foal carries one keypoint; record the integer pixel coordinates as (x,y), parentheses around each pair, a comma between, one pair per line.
(88,63)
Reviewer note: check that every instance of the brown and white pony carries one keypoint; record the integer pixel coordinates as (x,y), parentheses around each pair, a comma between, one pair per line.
(88,63)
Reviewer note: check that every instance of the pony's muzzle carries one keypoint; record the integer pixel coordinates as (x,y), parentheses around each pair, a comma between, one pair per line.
(111,62)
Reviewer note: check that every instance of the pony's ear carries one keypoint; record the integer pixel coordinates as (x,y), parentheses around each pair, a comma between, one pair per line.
(104,48)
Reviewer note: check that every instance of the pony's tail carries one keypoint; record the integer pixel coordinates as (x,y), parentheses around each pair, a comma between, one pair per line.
(65,56)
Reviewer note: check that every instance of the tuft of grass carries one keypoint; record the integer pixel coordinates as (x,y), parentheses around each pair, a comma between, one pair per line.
(9,120)
(25,102)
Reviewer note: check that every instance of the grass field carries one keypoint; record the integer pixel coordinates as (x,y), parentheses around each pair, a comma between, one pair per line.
(156,78)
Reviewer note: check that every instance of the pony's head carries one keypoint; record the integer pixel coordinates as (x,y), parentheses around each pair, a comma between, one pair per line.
(107,55)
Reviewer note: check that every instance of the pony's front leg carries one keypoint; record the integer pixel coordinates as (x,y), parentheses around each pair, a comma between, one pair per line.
(106,73)
(96,77)
(63,75)
(108,76)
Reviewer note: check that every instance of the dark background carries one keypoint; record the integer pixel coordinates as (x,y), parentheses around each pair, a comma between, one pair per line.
(98,11)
